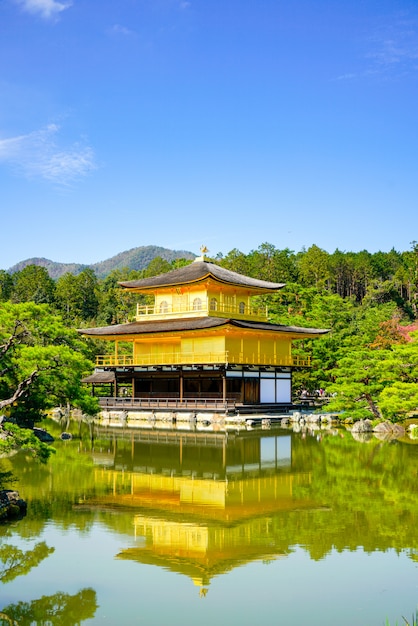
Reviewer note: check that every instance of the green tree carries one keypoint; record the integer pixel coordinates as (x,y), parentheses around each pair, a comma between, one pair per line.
(88,285)
(340,273)
(6,286)
(400,395)
(236,261)
(77,297)
(399,399)
(385,264)
(313,267)
(268,263)
(377,376)
(411,263)
(116,305)
(306,306)
(177,263)
(362,274)
(68,297)
(13,437)
(33,284)
(156,267)
(41,361)
(358,383)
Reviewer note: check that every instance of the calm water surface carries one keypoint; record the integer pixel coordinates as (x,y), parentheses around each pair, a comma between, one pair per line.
(254,527)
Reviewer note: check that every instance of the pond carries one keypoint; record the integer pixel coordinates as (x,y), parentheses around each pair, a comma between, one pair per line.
(265,526)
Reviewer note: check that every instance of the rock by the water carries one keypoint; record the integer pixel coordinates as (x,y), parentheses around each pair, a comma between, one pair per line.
(383,427)
(43,435)
(11,504)
(362,426)
(388,430)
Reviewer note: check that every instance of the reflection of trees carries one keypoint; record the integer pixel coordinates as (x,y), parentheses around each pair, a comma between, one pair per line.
(14,562)
(6,478)
(358,496)
(368,492)
(59,609)
(56,610)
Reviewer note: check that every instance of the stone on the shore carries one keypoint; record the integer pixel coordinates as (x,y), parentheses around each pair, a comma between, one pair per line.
(389,430)
(362,426)
(11,504)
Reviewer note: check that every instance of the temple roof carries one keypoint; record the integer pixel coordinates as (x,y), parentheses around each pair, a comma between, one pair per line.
(198,323)
(100,377)
(197,272)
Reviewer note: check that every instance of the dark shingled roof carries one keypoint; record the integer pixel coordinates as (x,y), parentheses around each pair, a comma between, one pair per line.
(100,377)
(197,323)
(198,271)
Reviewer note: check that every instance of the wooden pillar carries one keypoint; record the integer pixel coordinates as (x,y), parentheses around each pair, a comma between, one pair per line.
(181,386)
(133,387)
(224,387)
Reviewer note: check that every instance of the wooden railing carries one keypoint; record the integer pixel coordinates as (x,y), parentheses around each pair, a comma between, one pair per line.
(203,358)
(191,404)
(315,400)
(221,310)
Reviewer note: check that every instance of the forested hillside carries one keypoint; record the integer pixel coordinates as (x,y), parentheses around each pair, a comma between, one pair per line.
(134,259)
(369,360)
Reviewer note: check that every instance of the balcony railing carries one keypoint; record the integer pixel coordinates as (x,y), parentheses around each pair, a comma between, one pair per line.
(165,310)
(213,404)
(203,358)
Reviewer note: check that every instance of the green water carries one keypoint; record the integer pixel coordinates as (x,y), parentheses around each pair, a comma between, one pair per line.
(255,527)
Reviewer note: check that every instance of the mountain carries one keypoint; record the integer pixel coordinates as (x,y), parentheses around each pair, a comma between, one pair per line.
(134,259)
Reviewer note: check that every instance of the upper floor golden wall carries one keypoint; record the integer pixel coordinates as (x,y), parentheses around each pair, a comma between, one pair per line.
(201,302)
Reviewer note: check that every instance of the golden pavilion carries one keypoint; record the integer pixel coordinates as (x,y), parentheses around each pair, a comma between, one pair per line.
(201,344)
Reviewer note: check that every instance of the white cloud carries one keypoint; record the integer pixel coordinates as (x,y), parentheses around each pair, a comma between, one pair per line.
(390,50)
(117,29)
(46,8)
(395,50)
(36,155)
(348,76)
(393,47)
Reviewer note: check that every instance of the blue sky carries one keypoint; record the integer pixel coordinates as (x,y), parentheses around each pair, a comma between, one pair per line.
(228,123)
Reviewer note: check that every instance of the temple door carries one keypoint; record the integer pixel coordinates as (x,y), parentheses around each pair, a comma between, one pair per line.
(251,390)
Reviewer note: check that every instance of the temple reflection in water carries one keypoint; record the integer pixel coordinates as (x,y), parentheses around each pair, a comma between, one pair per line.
(202,502)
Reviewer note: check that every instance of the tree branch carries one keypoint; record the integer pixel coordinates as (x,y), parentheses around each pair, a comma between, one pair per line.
(24,385)
(21,389)
(372,406)
(19,332)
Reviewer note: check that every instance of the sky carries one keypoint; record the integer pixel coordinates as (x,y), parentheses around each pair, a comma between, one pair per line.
(224,123)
